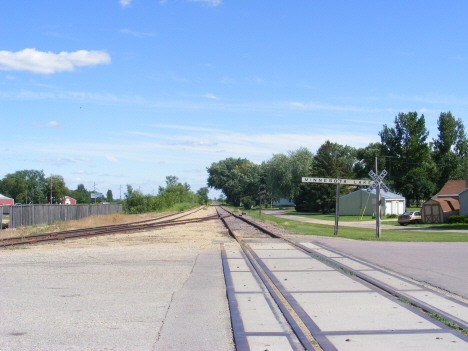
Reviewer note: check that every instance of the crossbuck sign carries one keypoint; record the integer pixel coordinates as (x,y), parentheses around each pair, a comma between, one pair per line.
(377,181)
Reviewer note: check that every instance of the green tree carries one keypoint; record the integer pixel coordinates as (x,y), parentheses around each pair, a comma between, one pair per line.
(283,173)
(59,190)
(330,159)
(203,196)
(301,163)
(413,171)
(236,178)
(26,186)
(450,149)
(109,196)
(81,195)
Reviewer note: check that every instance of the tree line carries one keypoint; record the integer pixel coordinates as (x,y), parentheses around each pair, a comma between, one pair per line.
(33,187)
(417,167)
(174,195)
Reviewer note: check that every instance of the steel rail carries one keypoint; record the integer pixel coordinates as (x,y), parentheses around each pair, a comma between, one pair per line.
(373,282)
(94,231)
(100,227)
(289,318)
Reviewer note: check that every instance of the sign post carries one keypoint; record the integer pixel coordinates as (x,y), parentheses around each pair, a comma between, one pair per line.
(337,206)
(377,185)
(338,182)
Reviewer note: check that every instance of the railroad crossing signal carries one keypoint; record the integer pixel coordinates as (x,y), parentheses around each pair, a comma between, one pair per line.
(377,181)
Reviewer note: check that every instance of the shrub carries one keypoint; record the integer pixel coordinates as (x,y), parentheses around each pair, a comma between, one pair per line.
(457,219)
(392,216)
(247,202)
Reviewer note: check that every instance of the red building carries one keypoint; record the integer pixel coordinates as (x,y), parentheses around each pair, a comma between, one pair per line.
(6,200)
(68,201)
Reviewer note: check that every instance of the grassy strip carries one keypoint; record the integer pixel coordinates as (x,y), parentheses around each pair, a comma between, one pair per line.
(435,316)
(361,233)
(330,216)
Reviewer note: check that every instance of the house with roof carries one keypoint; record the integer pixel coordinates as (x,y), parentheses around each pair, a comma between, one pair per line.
(68,200)
(360,202)
(463,199)
(445,203)
(6,200)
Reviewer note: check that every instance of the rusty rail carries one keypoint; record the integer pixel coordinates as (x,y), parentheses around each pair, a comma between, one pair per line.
(103,230)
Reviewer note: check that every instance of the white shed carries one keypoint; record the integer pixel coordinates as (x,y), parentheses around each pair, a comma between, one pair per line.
(283,202)
(353,204)
(463,199)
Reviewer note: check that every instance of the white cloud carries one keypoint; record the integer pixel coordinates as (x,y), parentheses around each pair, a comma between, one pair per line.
(56,161)
(34,61)
(136,34)
(63,161)
(111,158)
(125,3)
(82,172)
(10,77)
(211,96)
(52,124)
(192,143)
(208,2)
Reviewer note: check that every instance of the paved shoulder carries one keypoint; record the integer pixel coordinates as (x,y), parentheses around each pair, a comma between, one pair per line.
(198,317)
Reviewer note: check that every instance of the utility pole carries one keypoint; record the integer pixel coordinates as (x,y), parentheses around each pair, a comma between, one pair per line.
(51,189)
(120,191)
(260,205)
(95,193)
(377,203)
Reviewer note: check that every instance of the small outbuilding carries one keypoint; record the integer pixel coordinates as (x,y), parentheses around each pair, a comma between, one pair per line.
(438,210)
(284,202)
(445,203)
(67,200)
(361,202)
(6,200)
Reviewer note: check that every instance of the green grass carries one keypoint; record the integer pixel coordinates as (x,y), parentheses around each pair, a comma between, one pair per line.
(329,217)
(361,233)
(394,221)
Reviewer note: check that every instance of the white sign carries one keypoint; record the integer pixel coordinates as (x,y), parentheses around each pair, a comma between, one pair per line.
(377,180)
(336,181)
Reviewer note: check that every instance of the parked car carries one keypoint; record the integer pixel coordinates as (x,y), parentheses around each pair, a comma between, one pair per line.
(410,217)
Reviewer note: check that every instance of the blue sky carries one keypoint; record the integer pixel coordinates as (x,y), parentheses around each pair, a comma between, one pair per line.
(130,91)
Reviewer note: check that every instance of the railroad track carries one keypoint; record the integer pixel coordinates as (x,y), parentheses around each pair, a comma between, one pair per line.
(151,224)
(329,301)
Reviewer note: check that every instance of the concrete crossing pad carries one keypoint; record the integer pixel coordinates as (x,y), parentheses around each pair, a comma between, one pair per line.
(345,313)
(257,322)
(319,281)
(294,264)
(359,311)
(397,342)
(256,314)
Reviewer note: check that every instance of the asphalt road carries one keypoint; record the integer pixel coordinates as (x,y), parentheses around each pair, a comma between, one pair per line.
(443,265)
